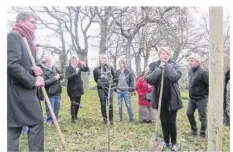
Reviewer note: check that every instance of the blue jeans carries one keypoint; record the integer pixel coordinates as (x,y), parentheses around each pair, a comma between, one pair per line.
(55,103)
(126,96)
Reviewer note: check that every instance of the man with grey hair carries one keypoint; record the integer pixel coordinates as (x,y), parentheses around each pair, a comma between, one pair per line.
(23,104)
(198,94)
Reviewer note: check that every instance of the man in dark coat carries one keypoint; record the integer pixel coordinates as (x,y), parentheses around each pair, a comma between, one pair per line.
(171,98)
(198,94)
(23,104)
(75,84)
(104,76)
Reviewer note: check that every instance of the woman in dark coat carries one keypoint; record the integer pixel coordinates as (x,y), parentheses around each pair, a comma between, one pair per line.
(75,84)
(171,98)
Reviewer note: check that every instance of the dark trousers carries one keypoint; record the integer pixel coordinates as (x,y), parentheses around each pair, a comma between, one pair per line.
(35,138)
(103,96)
(201,106)
(75,103)
(168,123)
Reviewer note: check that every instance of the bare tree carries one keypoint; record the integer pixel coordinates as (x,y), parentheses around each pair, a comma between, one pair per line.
(116,49)
(132,19)
(203,43)
(105,22)
(76,19)
(147,39)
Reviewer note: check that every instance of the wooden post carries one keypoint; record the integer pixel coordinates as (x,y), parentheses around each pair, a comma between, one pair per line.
(216,72)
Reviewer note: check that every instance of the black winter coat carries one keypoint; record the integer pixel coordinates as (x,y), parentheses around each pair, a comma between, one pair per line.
(23,105)
(75,83)
(173,74)
(52,86)
(104,83)
(198,83)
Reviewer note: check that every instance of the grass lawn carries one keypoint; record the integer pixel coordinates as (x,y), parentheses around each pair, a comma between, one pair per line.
(89,134)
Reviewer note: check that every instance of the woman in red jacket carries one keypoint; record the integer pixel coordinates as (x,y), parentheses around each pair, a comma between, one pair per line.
(146,112)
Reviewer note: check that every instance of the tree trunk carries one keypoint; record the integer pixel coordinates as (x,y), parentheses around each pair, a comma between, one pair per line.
(115,62)
(103,38)
(127,57)
(138,64)
(63,60)
(146,58)
(85,75)
(176,54)
(216,73)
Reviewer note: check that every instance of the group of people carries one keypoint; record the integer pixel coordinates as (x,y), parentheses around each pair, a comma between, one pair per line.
(24,109)
(121,81)
(109,81)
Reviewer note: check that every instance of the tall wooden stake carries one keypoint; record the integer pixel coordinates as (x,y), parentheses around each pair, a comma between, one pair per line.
(216,72)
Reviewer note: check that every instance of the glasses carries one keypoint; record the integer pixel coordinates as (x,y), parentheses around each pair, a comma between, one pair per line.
(32,22)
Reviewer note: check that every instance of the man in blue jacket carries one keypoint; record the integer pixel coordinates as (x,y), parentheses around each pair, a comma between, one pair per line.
(124,85)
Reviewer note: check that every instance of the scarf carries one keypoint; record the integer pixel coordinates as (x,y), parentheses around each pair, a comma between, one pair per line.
(105,72)
(24,32)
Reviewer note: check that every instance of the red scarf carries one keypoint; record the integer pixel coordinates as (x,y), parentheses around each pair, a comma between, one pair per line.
(24,32)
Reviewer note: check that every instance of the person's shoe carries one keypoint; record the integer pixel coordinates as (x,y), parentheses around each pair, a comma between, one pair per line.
(202,135)
(175,148)
(131,120)
(148,121)
(105,122)
(166,145)
(74,121)
(111,122)
(194,132)
(49,123)
(120,118)
(142,121)
(76,118)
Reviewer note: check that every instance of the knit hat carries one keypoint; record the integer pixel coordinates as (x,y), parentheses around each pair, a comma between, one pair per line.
(195,57)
